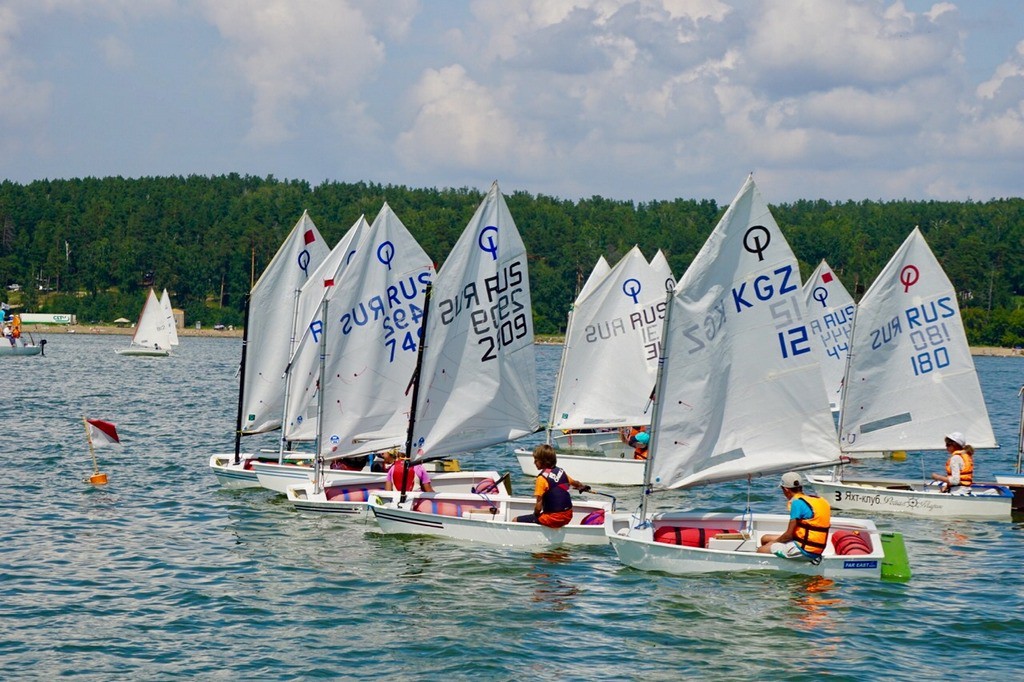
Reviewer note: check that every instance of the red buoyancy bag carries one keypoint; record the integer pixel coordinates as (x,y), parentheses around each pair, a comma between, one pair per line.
(851,542)
(485,487)
(594,518)
(689,537)
(347,494)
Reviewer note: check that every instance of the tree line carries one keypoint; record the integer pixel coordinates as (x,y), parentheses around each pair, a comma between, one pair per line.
(92,246)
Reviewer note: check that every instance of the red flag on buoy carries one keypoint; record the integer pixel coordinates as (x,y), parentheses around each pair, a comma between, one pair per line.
(102,433)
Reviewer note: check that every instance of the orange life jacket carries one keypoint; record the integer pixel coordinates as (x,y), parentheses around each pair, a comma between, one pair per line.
(811,534)
(966,471)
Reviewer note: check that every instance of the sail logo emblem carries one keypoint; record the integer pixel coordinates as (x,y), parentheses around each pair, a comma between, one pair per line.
(631,287)
(386,253)
(909,276)
(752,240)
(490,234)
(670,284)
(308,238)
(335,439)
(820,294)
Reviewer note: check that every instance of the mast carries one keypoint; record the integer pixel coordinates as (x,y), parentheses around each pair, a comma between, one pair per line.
(288,374)
(1020,433)
(318,458)
(241,381)
(415,394)
(846,375)
(658,404)
(561,368)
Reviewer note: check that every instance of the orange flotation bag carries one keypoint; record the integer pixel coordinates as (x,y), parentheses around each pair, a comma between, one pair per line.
(851,542)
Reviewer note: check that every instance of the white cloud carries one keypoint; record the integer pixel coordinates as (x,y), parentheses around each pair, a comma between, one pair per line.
(461,124)
(298,54)
(22,100)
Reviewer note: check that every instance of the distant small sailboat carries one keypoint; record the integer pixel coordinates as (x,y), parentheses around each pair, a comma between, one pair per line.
(152,338)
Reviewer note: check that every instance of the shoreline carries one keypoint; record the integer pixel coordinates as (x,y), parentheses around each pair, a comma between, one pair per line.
(540,339)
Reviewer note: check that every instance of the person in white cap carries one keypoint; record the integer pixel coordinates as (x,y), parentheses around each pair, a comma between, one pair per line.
(959,466)
(810,518)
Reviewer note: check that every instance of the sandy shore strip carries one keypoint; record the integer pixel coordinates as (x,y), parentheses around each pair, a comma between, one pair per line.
(545,339)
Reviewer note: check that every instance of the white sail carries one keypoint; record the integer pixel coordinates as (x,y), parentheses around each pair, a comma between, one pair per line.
(172,326)
(830,308)
(371,332)
(611,349)
(478,383)
(660,265)
(911,377)
(151,330)
(741,391)
(601,268)
(269,325)
(304,368)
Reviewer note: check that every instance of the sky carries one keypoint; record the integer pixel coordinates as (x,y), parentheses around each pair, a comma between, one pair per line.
(634,100)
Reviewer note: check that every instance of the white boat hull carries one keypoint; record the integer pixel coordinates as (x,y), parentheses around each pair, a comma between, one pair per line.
(353,494)
(278,477)
(637,548)
(7,350)
(618,468)
(143,352)
(913,498)
(233,476)
(1009,479)
(469,518)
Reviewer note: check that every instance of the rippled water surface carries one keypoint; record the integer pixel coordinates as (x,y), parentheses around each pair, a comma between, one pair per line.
(161,574)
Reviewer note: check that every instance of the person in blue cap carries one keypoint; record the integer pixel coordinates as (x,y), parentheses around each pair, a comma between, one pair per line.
(642,439)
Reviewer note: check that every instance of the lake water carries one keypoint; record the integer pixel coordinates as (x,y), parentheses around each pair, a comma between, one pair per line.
(162,575)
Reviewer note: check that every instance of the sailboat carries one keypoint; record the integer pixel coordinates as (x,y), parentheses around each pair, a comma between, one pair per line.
(13,342)
(830,308)
(301,374)
(608,367)
(152,336)
(739,395)
(910,379)
(267,345)
(367,340)
(477,388)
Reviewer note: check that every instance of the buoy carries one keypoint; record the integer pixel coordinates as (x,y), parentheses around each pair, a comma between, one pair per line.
(899,455)
(98,479)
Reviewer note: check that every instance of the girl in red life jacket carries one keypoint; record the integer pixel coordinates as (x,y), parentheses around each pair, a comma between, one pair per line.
(397,474)
(554,503)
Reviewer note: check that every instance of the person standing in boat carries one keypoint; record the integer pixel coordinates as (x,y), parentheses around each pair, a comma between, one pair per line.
(397,476)
(810,518)
(554,502)
(959,466)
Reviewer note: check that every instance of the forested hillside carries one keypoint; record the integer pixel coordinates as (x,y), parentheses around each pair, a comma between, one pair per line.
(92,246)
